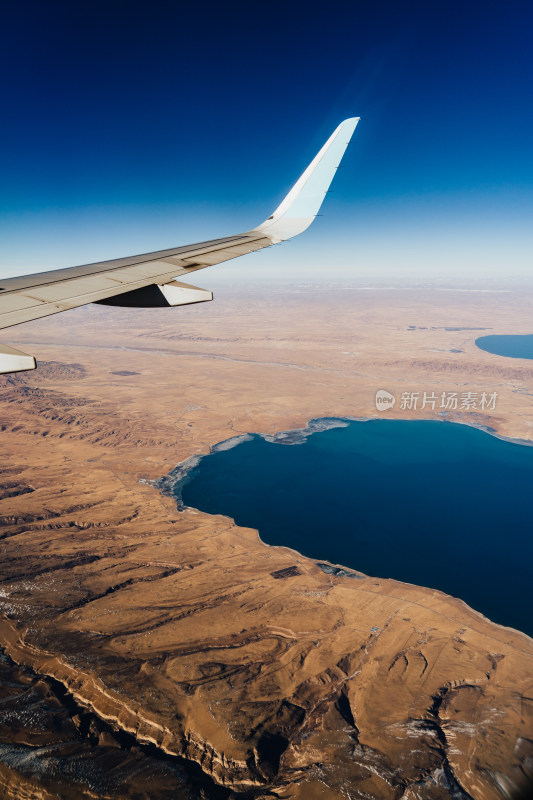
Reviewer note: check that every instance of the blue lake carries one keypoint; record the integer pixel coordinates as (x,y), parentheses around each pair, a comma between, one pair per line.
(431,503)
(512,346)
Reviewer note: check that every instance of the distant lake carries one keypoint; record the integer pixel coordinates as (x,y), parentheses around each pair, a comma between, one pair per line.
(513,346)
(432,503)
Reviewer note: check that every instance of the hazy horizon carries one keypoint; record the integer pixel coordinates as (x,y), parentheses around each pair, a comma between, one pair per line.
(120,149)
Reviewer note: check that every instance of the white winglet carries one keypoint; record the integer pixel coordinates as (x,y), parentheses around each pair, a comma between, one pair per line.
(301,205)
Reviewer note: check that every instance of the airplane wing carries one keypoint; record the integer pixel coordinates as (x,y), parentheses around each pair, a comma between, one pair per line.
(149,280)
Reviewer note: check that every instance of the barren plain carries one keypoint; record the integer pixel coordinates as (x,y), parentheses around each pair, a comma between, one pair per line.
(178,639)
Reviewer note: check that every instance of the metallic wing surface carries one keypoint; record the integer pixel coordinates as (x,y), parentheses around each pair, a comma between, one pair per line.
(148,280)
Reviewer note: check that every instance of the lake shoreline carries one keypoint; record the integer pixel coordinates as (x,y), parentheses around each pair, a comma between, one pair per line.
(172,483)
(507,345)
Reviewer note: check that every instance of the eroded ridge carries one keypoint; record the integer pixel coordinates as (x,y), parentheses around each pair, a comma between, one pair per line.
(275,676)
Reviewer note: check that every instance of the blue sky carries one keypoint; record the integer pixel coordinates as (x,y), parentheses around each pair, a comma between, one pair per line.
(132,126)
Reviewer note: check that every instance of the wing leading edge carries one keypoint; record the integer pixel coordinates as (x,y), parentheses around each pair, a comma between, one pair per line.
(148,280)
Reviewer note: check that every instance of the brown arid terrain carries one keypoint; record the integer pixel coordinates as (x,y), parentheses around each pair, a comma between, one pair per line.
(156,653)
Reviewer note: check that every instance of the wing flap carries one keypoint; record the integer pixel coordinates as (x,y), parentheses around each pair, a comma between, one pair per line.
(173,293)
(12,360)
